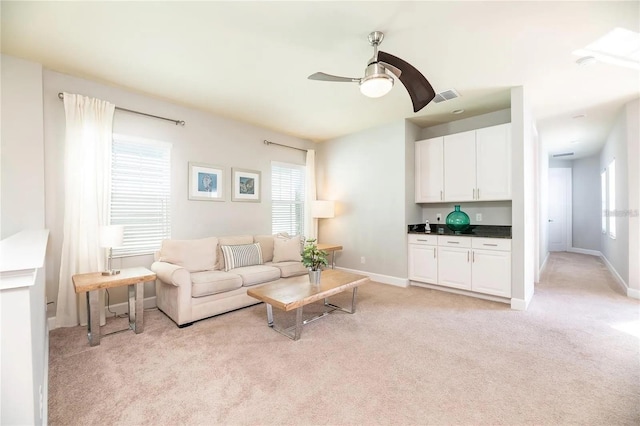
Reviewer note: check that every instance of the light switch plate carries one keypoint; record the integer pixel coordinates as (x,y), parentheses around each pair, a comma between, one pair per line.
(478,217)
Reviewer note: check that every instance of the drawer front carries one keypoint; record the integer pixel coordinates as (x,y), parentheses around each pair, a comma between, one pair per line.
(502,244)
(454,241)
(427,239)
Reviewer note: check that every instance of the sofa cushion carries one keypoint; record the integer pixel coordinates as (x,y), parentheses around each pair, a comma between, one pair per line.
(286,249)
(257,274)
(266,244)
(242,255)
(230,241)
(192,255)
(290,269)
(212,282)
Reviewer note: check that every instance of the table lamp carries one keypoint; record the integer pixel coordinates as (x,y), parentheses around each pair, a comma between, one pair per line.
(111,236)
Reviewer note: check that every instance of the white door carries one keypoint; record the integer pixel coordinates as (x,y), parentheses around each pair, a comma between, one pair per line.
(493,163)
(429,170)
(423,264)
(559,226)
(491,272)
(460,166)
(454,267)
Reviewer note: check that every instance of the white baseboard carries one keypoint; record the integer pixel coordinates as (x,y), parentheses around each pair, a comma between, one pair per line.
(459,291)
(632,292)
(384,279)
(616,275)
(584,251)
(544,264)
(119,309)
(523,304)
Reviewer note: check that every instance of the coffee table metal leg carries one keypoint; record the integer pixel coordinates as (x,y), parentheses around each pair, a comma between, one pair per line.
(298,331)
(269,315)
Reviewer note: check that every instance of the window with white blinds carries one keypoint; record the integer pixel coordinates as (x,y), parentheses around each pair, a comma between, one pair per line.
(140,193)
(287,198)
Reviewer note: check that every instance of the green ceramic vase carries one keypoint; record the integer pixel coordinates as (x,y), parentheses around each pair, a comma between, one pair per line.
(457,220)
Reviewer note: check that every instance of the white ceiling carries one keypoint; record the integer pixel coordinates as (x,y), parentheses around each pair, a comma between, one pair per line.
(250,60)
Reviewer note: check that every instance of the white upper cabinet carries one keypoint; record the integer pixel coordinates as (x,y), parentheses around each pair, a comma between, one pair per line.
(468,166)
(429,170)
(460,166)
(493,163)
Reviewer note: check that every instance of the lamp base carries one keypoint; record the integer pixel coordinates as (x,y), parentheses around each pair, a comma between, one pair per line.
(111,272)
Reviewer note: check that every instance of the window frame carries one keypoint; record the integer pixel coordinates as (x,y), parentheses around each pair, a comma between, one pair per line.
(611,171)
(603,202)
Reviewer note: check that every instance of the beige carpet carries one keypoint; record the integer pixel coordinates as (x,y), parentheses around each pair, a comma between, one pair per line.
(408,356)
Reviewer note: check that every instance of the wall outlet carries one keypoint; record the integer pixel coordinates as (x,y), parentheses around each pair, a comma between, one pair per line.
(478,217)
(438,217)
(363,260)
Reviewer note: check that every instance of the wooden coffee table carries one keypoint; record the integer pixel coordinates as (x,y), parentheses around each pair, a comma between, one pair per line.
(297,292)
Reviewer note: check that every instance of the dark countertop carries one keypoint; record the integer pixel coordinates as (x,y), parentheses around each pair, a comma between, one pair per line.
(484,231)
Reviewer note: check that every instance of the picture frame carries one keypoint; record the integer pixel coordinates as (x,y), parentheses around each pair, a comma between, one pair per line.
(246,185)
(206,182)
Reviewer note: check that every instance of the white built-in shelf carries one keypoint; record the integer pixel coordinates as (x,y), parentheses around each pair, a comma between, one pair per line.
(21,255)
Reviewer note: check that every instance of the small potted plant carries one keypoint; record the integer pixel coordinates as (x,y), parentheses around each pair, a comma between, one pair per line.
(313,259)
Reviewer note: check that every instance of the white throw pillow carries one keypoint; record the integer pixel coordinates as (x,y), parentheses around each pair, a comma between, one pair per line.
(241,255)
(286,249)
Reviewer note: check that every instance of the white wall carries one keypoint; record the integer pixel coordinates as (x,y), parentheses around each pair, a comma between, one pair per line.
(633,157)
(586,214)
(205,138)
(523,230)
(22,170)
(365,173)
(493,212)
(616,251)
(471,123)
(22,208)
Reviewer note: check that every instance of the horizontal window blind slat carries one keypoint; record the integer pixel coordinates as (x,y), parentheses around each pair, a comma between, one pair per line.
(287,196)
(141,195)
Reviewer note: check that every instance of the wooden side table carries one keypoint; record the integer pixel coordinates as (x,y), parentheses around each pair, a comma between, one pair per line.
(331,248)
(94,281)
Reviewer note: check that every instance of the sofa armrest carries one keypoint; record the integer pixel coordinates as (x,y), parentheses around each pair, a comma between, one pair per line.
(172,274)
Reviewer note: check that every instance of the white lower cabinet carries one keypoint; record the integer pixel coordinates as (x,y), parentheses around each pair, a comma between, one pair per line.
(423,262)
(481,265)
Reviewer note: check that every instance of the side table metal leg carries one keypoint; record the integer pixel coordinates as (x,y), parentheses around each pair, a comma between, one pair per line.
(298,330)
(93,317)
(138,310)
(353,300)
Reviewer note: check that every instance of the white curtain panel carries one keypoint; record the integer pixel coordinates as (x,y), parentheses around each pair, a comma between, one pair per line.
(310,224)
(87,182)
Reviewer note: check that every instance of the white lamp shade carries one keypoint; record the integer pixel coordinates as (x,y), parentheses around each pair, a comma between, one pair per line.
(376,86)
(111,236)
(323,209)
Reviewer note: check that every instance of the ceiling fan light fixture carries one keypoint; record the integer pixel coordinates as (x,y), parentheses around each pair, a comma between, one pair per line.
(376,86)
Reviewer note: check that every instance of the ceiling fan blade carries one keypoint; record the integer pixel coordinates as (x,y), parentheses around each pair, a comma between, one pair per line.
(419,89)
(328,77)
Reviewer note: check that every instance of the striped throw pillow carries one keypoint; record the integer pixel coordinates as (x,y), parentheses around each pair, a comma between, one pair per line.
(241,255)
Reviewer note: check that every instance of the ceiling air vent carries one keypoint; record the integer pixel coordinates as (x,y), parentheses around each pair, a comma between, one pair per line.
(446,95)
(566,154)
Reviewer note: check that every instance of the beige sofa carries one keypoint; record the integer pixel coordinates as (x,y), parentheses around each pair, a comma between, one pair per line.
(197,279)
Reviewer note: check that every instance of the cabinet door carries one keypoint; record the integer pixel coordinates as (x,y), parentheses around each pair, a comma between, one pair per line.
(493,163)
(491,272)
(423,264)
(460,166)
(454,267)
(429,170)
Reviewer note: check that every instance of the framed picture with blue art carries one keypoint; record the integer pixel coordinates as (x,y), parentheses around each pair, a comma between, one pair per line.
(246,185)
(206,182)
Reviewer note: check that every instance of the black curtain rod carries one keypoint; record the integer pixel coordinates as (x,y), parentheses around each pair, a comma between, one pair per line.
(266,142)
(177,122)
